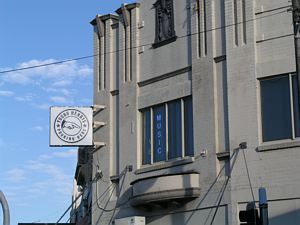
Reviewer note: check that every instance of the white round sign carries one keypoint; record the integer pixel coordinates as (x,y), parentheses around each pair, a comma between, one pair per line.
(71,125)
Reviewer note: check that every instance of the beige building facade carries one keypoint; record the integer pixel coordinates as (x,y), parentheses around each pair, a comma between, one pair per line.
(178,86)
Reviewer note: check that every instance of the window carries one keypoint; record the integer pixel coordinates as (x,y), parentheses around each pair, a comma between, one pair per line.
(280,108)
(168,131)
(174,129)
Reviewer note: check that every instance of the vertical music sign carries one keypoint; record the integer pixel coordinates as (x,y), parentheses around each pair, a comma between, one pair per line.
(159,130)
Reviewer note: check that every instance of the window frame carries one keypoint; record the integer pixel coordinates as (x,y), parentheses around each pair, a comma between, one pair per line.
(183,131)
(292,112)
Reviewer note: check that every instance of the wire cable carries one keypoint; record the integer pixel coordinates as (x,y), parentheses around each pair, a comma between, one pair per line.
(68,208)
(97,200)
(220,199)
(248,175)
(47,64)
(106,190)
(117,205)
(233,156)
(223,191)
(103,195)
(142,45)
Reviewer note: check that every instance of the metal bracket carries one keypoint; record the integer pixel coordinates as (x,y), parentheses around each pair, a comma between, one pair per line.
(98,107)
(98,124)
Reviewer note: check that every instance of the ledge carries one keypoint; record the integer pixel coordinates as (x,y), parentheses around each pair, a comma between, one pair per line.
(115,26)
(164,42)
(114,178)
(164,165)
(115,92)
(165,76)
(165,189)
(278,145)
(220,58)
(223,155)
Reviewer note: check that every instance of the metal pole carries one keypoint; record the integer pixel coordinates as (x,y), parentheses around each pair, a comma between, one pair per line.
(6,216)
(296,21)
(263,206)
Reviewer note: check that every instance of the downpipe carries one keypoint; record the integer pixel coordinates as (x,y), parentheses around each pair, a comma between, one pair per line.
(6,216)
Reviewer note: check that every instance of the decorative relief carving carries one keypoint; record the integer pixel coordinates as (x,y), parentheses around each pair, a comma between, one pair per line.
(165,32)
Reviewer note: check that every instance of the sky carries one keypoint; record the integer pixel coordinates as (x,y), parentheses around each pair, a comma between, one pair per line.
(37,179)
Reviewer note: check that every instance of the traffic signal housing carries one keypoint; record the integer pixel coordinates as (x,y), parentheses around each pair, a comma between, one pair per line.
(249,217)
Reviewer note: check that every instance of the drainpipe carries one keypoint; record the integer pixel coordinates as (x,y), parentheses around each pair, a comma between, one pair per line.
(296,21)
(6,217)
(263,206)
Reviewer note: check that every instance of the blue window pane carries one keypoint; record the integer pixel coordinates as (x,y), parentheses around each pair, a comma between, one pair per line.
(146,137)
(174,129)
(159,133)
(188,128)
(276,108)
(296,105)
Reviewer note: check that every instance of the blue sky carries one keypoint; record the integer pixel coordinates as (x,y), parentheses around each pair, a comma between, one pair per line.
(37,179)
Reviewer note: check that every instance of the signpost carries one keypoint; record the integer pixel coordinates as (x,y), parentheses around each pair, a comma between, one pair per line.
(71,126)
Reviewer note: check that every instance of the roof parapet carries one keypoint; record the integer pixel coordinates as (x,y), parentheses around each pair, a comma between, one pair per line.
(104,17)
(128,7)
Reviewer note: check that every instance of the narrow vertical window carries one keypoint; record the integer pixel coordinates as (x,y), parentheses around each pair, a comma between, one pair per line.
(100,65)
(244,21)
(202,28)
(205,27)
(147,137)
(188,127)
(174,129)
(125,54)
(104,58)
(235,22)
(296,105)
(199,27)
(159,133)
(276,108)
(130,47)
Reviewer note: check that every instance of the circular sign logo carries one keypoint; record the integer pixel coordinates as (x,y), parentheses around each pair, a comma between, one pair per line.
(71,126)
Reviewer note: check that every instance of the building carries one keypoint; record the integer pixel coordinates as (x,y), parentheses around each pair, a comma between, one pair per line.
(82,188)
(179,87)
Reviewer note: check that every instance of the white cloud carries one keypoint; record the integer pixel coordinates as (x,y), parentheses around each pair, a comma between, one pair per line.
(6,93)
(25,98)
(71,153)
(59,74)
(44,157)
(38,128)
(85,71)
(17,78)
(44,106)
(37,178)
(63,91)
(62,83)
(16,175)
(59,99)
(66,154)
(54,171)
